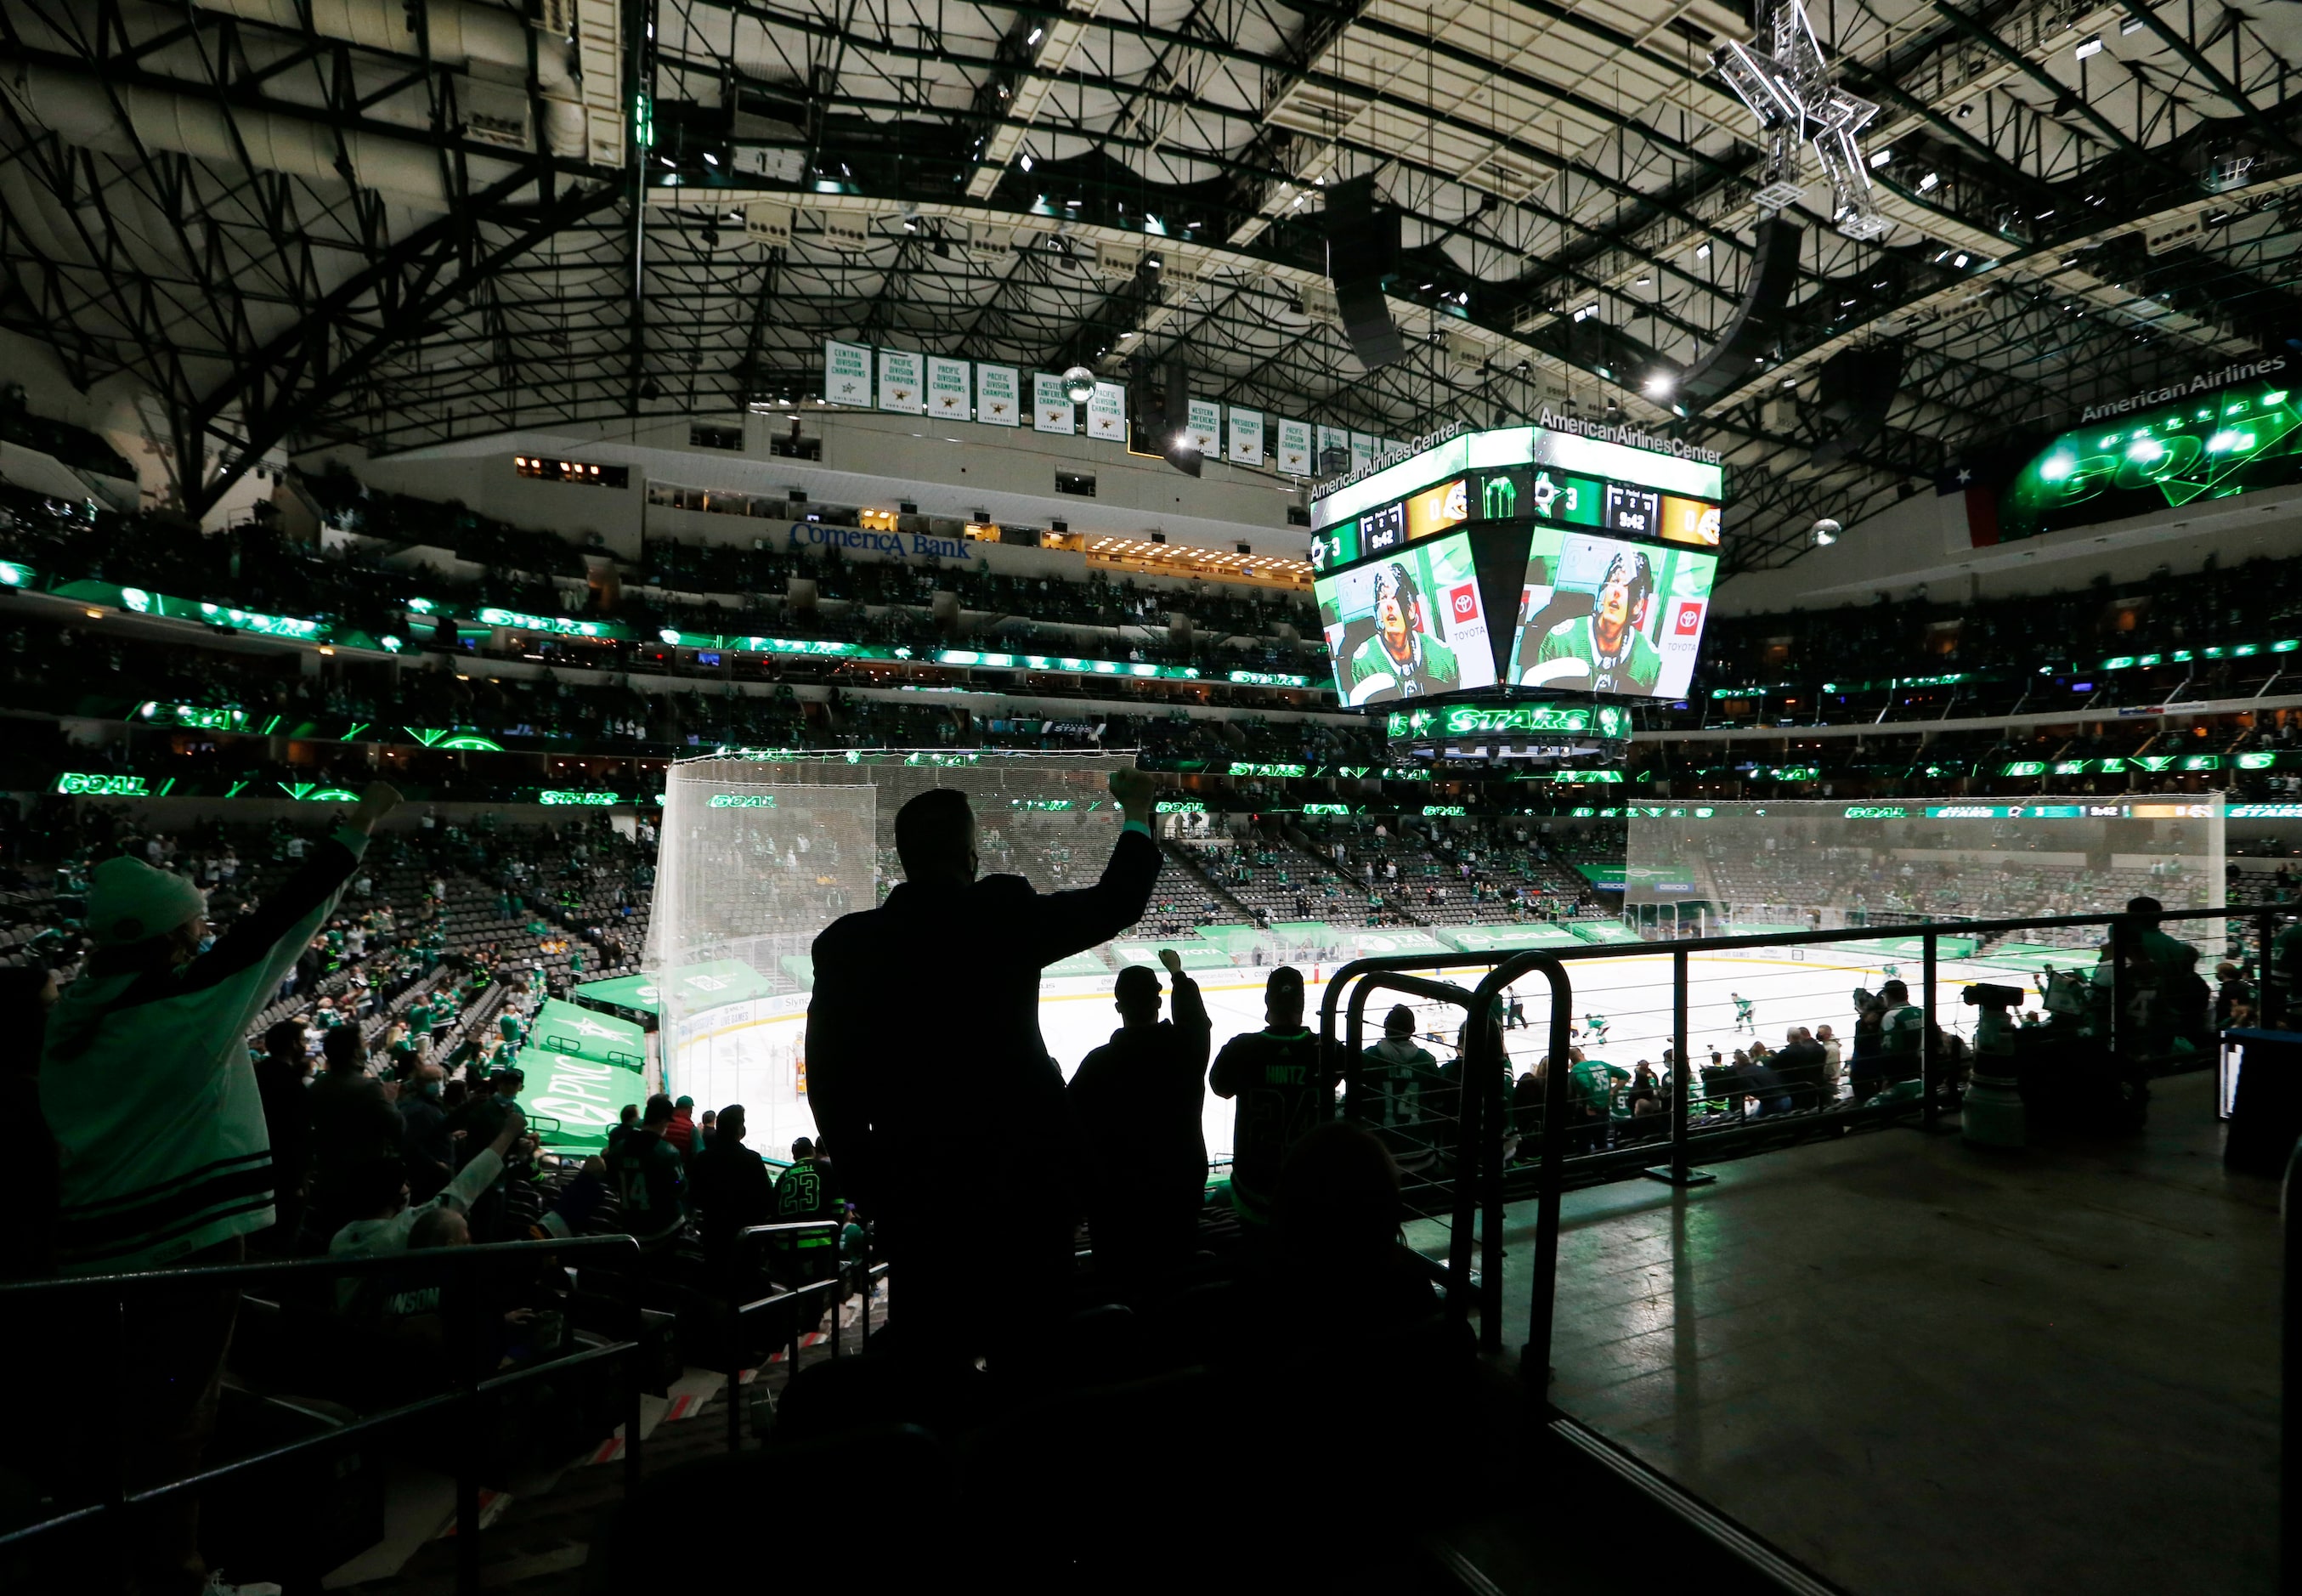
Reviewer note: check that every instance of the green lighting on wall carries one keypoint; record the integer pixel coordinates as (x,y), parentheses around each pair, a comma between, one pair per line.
(80,783)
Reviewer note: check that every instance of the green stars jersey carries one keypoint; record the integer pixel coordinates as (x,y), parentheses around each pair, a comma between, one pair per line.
(1632,666)
(1281,1093)
(1431,667)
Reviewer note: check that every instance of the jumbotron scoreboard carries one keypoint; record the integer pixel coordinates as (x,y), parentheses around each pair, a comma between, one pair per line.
(1503,592)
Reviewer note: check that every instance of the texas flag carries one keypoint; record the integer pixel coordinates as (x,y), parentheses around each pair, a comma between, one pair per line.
(1969,507)
(1967,491)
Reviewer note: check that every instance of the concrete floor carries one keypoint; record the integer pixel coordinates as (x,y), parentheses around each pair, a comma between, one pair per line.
(1923,1368)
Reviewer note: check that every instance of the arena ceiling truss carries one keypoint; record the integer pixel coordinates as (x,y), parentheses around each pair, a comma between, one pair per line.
(401,222)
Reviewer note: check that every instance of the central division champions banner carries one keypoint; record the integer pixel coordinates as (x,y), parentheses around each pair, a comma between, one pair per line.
(905,381)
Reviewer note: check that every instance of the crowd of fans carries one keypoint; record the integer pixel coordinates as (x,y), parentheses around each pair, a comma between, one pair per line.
(172,1083)
(256,566)
(1879,667)
(2258,601)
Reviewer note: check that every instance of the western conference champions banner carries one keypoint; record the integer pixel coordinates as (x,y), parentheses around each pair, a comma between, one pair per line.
(1052,410)
(1204,425)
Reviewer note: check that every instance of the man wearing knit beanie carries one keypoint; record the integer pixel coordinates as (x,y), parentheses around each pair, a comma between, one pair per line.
(128,901)
(166,1161)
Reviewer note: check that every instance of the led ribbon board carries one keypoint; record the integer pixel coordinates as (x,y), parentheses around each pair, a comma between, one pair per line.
(1056,664)
(2212,445)
(1509,720)
(1513,459)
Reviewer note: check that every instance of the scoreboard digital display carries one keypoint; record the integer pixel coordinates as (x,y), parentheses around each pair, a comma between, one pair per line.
(1635,511)
(1533,471)
(1525,559)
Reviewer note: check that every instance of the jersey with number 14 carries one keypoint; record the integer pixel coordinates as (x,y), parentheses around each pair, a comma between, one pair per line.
(1280,1093)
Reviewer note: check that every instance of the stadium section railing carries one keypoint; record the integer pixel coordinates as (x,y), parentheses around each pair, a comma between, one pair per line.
(792,1327)
(1481,1126)
(2290,1483)
(459,1268)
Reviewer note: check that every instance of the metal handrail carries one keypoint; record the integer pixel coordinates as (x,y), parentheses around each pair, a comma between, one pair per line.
(456,1264)
(1555,1074)
(1535,1355)
(1390,972)
(2289,1480)
(1480,1130)
(747,1240)
(1390,975)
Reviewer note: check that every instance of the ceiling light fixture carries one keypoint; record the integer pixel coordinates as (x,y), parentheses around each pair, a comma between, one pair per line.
(2091,45)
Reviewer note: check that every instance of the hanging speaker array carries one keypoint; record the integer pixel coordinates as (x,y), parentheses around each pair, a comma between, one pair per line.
(1757,323)
(1363,245)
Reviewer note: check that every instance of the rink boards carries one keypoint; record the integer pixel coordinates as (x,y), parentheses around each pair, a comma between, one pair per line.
(753,1052)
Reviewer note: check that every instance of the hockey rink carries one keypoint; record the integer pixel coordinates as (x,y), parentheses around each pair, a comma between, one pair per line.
(758,1058)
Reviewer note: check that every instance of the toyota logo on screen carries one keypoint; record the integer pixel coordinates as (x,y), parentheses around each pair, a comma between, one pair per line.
(1689,618)
(1463,602)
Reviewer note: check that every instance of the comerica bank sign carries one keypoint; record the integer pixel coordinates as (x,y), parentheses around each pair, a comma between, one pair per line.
(860,540)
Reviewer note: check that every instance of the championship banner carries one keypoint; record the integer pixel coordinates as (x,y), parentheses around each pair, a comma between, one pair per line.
(1332,442)
(1206,427)
(847,372)
(903,381)
(998,396)
(949,385)
(1246,437)
(1052,410)
(1365,447)
(1295,449)
(1106,413)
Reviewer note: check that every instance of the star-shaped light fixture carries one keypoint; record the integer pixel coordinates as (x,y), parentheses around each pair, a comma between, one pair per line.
(1791,93)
